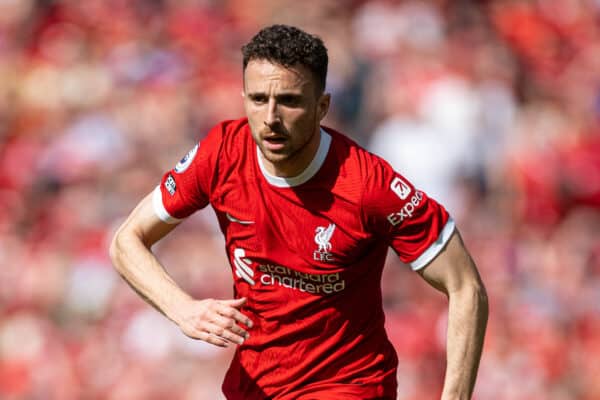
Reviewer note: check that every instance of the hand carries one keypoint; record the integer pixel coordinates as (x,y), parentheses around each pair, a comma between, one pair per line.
(215,321)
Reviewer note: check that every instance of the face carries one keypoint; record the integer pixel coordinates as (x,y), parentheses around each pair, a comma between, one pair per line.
(284,110)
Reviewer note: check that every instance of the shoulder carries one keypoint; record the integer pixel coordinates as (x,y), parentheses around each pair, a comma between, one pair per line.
(228,137)
(370,174)
(228,129)
(232,150)
(354,159)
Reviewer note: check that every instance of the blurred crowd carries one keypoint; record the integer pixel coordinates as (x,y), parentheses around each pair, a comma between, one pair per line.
(492,107)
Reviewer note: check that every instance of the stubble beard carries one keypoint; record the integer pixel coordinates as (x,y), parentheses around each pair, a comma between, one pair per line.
(287,156)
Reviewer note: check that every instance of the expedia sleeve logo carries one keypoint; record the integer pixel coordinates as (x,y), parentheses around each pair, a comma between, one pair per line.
(186,161)
(400,187)
(407,211)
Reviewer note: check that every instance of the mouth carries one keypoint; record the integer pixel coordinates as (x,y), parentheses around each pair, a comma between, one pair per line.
(275,142)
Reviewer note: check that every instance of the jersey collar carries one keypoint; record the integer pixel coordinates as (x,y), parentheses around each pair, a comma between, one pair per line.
(305,175)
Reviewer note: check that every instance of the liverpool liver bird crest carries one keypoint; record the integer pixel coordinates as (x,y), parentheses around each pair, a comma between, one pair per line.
(323,237)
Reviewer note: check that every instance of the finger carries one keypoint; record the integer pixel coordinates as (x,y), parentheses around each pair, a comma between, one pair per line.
(213,339)
(206,337)
(231,324)
(234,313)
(223,333)
(236,303)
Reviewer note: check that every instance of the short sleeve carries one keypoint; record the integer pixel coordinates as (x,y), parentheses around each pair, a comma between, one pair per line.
(415,226)
(186,188)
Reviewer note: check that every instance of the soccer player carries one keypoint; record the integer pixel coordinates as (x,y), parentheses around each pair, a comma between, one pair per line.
(307,216)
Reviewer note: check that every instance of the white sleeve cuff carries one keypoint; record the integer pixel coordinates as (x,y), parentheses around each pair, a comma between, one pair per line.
(428,255)
(159,208)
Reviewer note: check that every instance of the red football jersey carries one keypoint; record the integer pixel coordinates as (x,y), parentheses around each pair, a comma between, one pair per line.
(308,253)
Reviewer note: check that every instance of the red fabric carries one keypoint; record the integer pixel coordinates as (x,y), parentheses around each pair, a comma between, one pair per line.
(318,317)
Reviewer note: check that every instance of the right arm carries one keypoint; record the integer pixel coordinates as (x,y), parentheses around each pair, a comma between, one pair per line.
(214,321)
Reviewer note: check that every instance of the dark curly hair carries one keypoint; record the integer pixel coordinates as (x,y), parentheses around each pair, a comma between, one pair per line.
(287,46)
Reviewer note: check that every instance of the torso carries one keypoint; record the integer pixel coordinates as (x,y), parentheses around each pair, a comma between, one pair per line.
(308,254)
(310,271)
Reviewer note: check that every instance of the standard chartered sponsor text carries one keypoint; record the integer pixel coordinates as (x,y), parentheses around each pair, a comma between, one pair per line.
(302,281)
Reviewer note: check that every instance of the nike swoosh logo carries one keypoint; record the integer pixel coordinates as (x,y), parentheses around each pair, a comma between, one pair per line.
(239,221)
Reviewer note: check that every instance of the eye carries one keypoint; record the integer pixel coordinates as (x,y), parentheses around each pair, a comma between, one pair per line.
(258,98)
(290,100)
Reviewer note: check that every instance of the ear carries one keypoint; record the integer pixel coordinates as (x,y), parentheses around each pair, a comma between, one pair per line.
(323,105)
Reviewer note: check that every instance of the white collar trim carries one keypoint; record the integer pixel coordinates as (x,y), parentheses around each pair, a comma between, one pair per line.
(305,175)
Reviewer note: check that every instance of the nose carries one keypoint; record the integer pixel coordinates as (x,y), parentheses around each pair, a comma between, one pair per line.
(272,117)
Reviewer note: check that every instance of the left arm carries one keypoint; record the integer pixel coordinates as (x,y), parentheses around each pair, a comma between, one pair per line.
(454,273)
